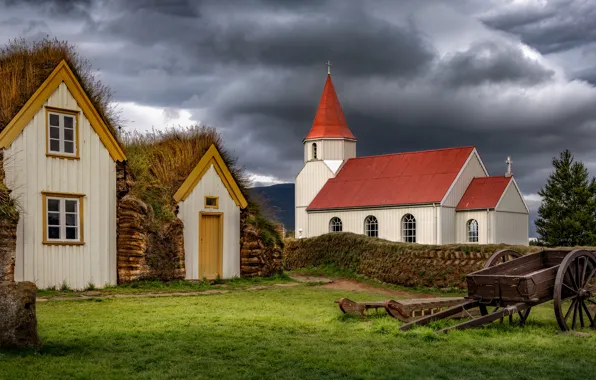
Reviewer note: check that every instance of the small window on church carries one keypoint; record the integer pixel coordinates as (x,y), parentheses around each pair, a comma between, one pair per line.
(314,151)
(472,227)
(62,132)
(335,224)
(371,226)
(211,202)
(408,225)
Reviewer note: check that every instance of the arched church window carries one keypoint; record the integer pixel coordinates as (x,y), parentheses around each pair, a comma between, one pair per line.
(314,151)
(408,228)
(335,224)
(371,226)
(472,228)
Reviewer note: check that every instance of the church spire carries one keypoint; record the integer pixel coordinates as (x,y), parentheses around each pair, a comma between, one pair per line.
(330,121)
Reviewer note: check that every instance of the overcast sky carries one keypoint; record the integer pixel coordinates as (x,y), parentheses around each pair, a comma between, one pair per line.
(510,77)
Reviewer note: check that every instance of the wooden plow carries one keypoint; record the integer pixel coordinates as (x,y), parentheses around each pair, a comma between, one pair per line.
(511,284)
(404,310)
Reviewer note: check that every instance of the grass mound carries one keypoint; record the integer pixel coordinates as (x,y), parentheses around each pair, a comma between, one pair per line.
(25,65)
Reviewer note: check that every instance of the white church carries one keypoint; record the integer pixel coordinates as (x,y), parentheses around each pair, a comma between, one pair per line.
(438,196)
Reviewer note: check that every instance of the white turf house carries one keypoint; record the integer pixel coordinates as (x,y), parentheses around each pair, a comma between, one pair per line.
(439,196)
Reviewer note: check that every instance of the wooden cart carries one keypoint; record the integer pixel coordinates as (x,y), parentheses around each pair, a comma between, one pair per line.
(512,284)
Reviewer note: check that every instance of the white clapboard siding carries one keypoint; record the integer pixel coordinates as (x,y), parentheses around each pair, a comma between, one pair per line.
(390,226)
(512,200)
(511,228)
(472,169)
(448,226)
(309,182)
(29,172)
(330,149)
(189,209)
(462,218)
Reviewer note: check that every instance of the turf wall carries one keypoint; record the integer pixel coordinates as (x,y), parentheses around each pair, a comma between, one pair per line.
(396,263)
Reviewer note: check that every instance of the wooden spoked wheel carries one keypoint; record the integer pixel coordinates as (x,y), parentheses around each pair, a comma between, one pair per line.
(497,258)
(501,257)
(575,291)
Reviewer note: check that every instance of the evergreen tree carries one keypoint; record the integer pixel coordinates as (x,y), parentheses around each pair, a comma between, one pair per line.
(568,210)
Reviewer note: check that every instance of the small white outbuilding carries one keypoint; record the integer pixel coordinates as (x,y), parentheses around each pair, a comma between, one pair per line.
(209,203)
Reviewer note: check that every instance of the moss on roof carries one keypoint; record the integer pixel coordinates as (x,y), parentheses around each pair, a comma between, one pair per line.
(25,65)
(160,161)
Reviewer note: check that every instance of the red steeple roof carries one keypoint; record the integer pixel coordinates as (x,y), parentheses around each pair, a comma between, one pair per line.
(329,120)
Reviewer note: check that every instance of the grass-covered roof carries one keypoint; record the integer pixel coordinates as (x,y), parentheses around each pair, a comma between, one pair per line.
(25,65)
(160,161)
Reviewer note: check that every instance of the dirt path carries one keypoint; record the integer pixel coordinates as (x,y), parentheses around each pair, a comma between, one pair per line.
(356,286)
(99,295)
(323,282)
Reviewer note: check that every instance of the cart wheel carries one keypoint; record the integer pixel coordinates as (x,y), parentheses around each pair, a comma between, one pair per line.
(501,257)
(575,290)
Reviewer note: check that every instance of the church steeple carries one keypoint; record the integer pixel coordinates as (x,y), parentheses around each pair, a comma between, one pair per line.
(330,121)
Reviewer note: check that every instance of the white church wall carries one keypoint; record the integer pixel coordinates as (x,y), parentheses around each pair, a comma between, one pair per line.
(511,228)
(448,226)
(471,170)
(512,200)
(309,182)
(350,149)
(390,226)
(330,149)
(462,218)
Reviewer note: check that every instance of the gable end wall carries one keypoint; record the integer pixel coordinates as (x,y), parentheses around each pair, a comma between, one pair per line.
(29,172)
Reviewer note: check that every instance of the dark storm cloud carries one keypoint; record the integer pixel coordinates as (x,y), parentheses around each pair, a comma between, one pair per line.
(60,8)
(256,69)
(489,61)
(551,26)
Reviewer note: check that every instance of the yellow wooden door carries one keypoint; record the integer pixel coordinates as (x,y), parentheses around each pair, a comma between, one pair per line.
(210,249)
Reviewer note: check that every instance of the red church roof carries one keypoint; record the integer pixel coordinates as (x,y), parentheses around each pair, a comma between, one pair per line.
(393,179)
(483,193)
(329,121)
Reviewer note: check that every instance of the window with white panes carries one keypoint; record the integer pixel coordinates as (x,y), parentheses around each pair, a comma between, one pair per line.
(335,224)
(63,219)
(408,228)
(371,226)
(62,130)
(472,231)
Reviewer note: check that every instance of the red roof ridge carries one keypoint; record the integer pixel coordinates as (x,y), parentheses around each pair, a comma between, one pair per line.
(414,152)
(482,193)
(329,121)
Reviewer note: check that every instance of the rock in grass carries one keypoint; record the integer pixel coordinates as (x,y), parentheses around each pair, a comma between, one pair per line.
(18,322)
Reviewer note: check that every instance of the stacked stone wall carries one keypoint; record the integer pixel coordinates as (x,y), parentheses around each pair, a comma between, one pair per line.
(396,263)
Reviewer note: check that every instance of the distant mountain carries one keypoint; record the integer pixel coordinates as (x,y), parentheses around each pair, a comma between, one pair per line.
(277,201)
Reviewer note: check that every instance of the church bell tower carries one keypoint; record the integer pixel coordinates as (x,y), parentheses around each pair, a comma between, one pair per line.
(326,147)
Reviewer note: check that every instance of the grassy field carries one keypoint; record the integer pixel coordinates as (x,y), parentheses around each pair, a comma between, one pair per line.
(282,332)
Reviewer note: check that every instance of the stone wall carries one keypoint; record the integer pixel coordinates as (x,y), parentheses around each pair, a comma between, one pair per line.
(257,259)
(8,243)
(133,239)
(146,249)
(396,263)
(18,321)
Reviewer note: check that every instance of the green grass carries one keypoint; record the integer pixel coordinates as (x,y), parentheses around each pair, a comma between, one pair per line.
(293,333)
(139,287)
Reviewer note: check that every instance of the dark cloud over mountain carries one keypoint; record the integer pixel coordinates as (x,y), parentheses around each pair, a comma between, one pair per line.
(512,78)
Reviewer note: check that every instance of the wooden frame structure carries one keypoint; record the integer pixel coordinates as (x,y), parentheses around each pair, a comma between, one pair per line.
(513,284)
